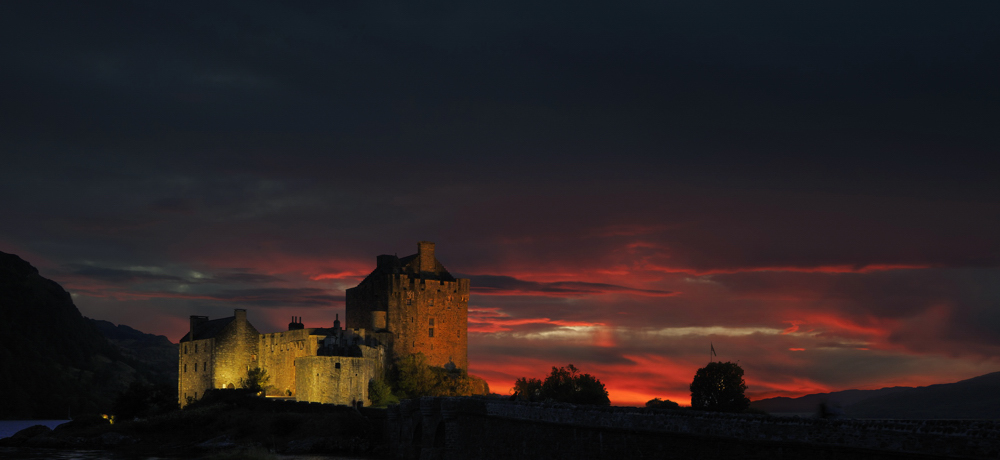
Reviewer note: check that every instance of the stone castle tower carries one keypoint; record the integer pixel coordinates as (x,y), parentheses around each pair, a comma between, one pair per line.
(415,299)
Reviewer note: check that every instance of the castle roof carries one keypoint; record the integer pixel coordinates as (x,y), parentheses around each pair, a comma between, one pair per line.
(208,329)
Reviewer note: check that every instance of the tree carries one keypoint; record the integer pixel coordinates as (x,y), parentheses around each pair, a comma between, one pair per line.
(527,389)
(256,380)
(412,377)
(380,393)
(565,384)
(657,403)
(719,387)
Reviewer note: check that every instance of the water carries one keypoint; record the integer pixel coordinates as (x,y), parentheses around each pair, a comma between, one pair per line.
(9,427)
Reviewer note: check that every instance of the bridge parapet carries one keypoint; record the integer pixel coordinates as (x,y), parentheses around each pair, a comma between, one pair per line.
(450,427)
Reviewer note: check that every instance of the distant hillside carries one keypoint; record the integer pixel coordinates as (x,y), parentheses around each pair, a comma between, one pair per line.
(975,398)
(53,361)
(155,354)
(810,403)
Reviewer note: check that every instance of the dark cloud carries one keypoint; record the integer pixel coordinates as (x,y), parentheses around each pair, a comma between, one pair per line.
(508,285)
(120,276)
(827,166)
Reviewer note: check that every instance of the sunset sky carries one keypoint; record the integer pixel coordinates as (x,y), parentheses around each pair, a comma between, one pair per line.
(812,187)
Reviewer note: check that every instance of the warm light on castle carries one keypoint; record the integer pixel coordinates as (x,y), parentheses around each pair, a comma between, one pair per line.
(406,305)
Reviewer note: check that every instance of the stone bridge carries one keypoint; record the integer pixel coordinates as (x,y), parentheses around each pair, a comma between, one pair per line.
(484,428)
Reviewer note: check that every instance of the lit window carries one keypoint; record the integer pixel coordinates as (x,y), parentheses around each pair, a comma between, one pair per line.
(430,332)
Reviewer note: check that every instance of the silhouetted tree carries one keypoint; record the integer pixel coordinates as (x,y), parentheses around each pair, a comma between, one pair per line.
(256,380)
(528,389)
(142,400)
(566,384)
(657,403)
(719,387)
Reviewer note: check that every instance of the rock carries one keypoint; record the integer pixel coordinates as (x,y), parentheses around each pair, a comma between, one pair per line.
(302,446)
(21,437)
(111,439)
(220,442)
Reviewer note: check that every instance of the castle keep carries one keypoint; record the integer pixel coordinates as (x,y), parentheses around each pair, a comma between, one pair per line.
(406,305)
(424,308)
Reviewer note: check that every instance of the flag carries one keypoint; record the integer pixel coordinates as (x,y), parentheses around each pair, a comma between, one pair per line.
(713,348)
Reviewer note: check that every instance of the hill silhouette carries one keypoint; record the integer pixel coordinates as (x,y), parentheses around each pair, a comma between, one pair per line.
(975,398)
(54,361)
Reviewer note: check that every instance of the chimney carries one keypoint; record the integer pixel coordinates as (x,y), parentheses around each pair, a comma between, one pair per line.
(195,322)
(241,315)
(387,262)
(425,253)
(296,324)
(336,322)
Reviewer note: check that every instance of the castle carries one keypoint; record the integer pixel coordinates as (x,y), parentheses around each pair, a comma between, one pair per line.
(405,306)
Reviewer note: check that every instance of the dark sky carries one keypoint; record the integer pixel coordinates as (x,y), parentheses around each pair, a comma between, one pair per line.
(811,187)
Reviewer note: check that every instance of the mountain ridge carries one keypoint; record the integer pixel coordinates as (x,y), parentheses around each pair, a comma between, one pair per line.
(54,362)
(973,398)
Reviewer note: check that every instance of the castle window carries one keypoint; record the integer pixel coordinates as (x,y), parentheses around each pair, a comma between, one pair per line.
(430,332)
(408,301)
(185,367)
(196,367)
(196,348)
(432,302)
(432,322)
(336,365)
(185,349)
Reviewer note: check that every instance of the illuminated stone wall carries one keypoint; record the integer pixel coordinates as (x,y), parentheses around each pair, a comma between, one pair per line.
(335,379)
(235,352)
(195,369)
(426,310)
(278,352)
(219,361)
(430,317)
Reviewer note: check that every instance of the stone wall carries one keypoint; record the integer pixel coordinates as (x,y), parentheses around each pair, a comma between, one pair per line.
(335,379)
(278,352)
(483,428)
(430,317)
(235,352)
(423,306)
(195,369)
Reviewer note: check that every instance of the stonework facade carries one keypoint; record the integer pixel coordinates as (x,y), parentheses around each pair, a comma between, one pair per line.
(215,354)
(407,305)
(415,299)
